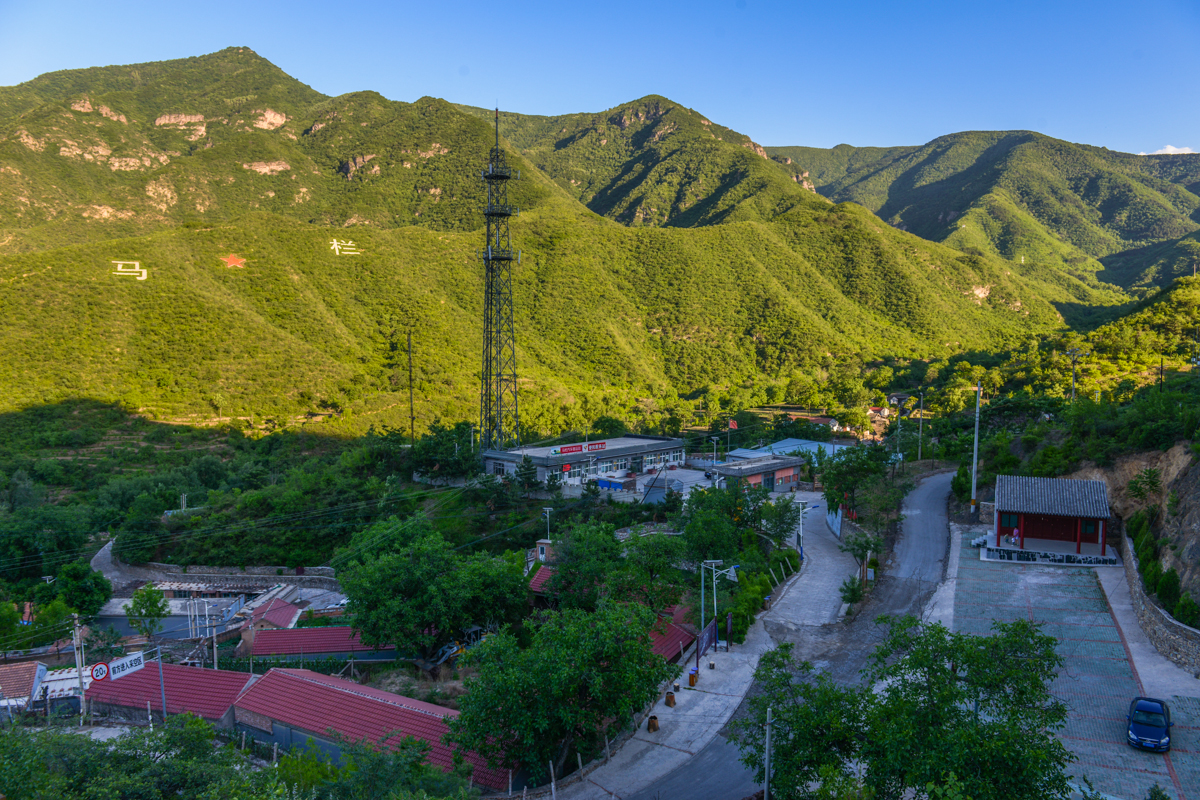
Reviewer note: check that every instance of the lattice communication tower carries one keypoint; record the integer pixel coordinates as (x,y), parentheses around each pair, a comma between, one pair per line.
(498,420)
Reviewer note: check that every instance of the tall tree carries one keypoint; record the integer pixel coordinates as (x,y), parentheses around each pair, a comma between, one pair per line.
(582,673)
(979,707)
(424,595)
(147,610)
(584,561)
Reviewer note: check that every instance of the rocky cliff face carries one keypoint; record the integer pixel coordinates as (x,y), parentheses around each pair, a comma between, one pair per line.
(1179,522)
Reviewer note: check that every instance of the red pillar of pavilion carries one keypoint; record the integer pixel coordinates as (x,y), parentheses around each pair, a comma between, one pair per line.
(1021,529)
(1078,535)
(1103,535)
(997,526)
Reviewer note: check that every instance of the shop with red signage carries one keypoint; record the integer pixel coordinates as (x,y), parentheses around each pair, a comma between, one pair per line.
(614,461)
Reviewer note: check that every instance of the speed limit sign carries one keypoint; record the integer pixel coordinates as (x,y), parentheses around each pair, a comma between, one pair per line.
(99,671)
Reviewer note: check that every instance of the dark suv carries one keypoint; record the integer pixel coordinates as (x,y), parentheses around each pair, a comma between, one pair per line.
(1149,724)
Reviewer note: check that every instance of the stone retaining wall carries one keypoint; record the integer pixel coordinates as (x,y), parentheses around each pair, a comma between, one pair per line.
(1170,637)
(276,572)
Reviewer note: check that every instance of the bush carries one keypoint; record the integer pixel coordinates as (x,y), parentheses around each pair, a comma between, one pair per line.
(1151,575)
(1168,589)
(1187,611)
(961,483)
(852,590)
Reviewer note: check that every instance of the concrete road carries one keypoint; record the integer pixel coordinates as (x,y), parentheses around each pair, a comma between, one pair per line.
(918,561)
(909,579)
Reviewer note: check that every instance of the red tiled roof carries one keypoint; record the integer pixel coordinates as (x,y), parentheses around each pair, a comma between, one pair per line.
(207,693)
(279,613)
(16,680)
(312,702)
(667,637)
(538,584)
(309,641)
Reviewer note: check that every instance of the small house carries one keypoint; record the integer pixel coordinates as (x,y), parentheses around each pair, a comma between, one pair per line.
(207,693)
(1052,509)
(298,707)
(334,641)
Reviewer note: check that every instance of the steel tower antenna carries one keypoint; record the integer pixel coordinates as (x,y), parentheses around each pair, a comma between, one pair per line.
(498,420)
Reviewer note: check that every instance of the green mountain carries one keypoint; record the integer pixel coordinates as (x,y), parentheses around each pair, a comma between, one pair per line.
(1022,195)
(653,162)
(178,165)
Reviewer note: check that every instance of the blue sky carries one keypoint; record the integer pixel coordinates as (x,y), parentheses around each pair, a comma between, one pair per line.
(1122,75)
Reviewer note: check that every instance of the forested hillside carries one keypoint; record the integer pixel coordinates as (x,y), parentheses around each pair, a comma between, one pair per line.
(1090,211)
(354,220)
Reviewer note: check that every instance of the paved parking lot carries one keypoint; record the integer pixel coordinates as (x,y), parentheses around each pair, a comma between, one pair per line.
(1099,678)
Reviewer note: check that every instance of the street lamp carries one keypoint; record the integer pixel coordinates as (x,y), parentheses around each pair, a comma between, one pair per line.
(803,512)
(715,439)
(547,512)
(730,573)
(921,426)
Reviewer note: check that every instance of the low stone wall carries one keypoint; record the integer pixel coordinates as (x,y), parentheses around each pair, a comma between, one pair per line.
(1170,637)
(276,572)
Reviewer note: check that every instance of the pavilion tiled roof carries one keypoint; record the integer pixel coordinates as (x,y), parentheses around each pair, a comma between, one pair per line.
(207,693)
(310,641)
(314,703)
(1063,497)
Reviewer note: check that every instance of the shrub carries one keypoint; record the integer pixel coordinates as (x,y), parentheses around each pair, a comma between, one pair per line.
(852,590)
(961,483)
(1151,574)
(1187,611)
(1168,589)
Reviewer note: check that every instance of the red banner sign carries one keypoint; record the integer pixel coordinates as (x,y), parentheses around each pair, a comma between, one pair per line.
(570,448)
(596,446)
(566,467)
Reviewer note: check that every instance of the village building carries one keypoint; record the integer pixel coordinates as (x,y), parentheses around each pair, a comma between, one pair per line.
(21,685)
(1051,510)
(295,707)
(620,457)
(787,447)
(335,641)
(207,693)
(773,473)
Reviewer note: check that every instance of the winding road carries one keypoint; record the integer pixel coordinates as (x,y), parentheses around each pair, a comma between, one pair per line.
(916,566)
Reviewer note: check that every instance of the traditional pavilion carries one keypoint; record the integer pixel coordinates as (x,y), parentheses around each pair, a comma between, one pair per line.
(1058,509)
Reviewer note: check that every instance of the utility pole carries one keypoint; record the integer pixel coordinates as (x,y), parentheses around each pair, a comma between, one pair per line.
(547,512)
(975,459)
(921,427)
(1075,354)
(214,633)
(767,760)
(715,439)
(412,417)
(803,511)
(77,640)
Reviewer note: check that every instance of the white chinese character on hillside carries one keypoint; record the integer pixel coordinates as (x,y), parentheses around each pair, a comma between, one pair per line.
(344,248)
(131,268)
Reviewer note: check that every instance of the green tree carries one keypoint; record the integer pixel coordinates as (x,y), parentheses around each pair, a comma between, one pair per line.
(526,476)
(147,610)
(582,673)
(103,644)
(1168,589)
(848,469)
(780,520)
(82,588)
(424,595)
(933,702)
(584,561)
(649,573)
(859,545)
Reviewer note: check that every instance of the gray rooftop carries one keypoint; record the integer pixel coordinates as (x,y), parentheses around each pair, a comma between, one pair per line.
(757,466)
(598,449)
(1062,497)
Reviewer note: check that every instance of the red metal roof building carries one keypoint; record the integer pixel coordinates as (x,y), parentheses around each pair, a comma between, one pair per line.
(537,584)
(207,693)
(21,684)
(275,614)
(297,706)
(335,641)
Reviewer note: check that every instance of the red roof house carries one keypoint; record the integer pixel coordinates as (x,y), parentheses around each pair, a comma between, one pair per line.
(538,583)
(297,706)
(336,641)
(207,693)
(275,614)
(21,684)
